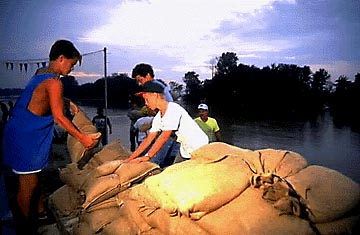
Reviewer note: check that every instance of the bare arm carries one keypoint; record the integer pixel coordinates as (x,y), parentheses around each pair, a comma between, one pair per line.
(56,102)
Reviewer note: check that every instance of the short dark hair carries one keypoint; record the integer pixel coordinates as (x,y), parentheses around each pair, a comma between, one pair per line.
(65,48)
(142,70)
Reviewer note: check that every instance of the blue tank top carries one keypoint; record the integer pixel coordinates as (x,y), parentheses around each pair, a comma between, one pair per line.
(28,137)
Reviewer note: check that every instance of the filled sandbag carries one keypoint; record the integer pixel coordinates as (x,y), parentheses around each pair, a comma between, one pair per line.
(66,201)
(113,177)
(109,152)
(348,225)
(76,150)
(217,150)
(193,189)
(283,163)
(249,214)
(98,217)
(328,194)
(74,177)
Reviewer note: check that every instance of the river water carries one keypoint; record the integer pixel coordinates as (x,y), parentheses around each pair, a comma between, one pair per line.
(320,142)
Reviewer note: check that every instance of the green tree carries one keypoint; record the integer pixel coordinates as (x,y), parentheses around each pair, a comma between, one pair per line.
(227,63)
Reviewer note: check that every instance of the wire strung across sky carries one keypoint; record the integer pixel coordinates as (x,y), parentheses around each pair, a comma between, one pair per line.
(25,62)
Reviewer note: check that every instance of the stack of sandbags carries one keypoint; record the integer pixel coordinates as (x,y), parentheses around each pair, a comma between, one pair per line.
(214,191)
(223,189)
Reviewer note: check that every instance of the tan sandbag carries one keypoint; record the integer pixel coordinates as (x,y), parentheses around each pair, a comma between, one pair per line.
(177,225)
(66,201)
(82,228)
(346,226)
(130,172)
(73,176)
(84,124)
(128,222)
(328,194)
(249,214)
(112,177)
(281,162)
(99,187)
(109,152)
(193,189)
(106,168)
(217,150)
(114,201)
(97,219)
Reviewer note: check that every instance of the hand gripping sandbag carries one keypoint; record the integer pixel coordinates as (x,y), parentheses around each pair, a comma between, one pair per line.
(76,150)
(194,189)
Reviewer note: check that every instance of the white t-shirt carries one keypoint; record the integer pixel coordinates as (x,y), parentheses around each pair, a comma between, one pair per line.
(141,121)
(189,134)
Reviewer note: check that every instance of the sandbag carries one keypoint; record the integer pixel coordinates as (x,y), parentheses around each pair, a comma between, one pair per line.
(112,177)
(76,150)
(249,214)
(283,163)
(193,189)
(96,219)
(66,201)
(345,226)
(73,176)
(109,152)
(215,151)
(328,194)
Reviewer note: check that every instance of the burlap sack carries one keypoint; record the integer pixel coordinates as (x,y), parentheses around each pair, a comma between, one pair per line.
(109,152)
(112,177)
(217,150)
(177,225)
(249,214)
(128,221)
(328,194)
(84,124)
(74,177)
(281,162)
(66,201)
(97,219)
(349,225)
(193,189)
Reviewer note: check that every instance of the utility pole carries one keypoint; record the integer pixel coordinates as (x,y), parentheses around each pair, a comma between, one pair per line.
(106,103)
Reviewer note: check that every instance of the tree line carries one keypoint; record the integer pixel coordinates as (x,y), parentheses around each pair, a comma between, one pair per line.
(284,91)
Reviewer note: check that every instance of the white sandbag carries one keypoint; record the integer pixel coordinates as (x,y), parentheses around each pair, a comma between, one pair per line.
(328,194)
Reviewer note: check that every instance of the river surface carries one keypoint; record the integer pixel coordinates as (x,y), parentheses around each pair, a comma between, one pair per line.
(320,142)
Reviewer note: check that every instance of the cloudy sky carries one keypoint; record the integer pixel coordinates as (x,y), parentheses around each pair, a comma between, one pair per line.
(177,36)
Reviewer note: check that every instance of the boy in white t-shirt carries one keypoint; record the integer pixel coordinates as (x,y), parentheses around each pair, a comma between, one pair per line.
(171,117)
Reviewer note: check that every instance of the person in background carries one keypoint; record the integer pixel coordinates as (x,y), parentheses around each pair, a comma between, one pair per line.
(100,123)
(134,114)
(170,118)
(143,124)
(28,134)
(143,73)
(208,124)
